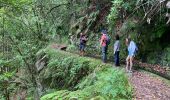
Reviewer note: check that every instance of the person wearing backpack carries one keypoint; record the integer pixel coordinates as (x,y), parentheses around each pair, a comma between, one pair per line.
(132,49)
(104,42)
(116,50)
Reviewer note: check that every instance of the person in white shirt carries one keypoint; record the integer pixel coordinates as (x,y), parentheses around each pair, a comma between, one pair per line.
(116,50)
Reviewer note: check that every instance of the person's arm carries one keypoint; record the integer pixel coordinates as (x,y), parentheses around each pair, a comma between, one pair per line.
(115,46)
(101,41)
(86,39)
(80,37)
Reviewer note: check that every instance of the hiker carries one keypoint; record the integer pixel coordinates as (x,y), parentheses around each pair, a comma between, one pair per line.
(116,50)
(83,40)
(104,42)
(131,54)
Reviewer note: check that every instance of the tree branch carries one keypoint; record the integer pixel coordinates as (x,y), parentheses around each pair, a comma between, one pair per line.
(56,7)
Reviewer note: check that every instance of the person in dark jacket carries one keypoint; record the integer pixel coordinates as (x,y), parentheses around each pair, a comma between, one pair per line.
(83,40)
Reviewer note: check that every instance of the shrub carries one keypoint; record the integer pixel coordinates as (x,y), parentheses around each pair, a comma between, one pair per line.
(83,78)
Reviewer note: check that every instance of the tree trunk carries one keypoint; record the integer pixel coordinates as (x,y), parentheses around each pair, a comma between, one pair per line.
(7,94)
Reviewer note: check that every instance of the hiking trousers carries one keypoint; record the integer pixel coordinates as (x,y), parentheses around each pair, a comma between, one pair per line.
(104,53)
(116,58)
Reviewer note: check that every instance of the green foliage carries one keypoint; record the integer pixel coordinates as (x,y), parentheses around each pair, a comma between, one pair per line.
(72,48)
(91,18)
(160,57)
(167,55)
(112,16)
(64,69)
(93,44)
(109,84)
(24,31)
(128,26)
(88,78)
(29,25)
(115,10)
(159,31)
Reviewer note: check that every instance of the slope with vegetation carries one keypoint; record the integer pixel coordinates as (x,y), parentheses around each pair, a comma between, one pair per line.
(82,78)
(28,26)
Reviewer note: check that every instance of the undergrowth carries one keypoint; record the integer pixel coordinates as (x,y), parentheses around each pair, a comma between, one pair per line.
(82,78)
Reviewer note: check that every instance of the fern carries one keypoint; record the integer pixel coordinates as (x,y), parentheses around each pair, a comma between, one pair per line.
(87,78)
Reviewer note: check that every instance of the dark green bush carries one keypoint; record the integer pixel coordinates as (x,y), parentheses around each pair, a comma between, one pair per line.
(65,70)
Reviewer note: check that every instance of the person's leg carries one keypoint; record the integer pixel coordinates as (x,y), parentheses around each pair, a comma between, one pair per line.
(83,53)
(80,49)
(127,63)
(116,58)
(104,54)
(106,49)
(83,49)
(118,64)
(131,63)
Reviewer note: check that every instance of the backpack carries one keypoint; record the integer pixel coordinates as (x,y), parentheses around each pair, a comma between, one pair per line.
(107,39)
(136,48)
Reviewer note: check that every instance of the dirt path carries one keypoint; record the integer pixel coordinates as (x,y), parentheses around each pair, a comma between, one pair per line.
(148,87)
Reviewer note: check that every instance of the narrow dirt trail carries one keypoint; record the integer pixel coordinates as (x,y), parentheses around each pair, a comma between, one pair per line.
(148,87)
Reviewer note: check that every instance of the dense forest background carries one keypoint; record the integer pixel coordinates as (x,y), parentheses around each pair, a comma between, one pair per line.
(27,27)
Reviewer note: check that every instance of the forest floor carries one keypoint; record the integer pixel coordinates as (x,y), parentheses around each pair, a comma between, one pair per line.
(148,86)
